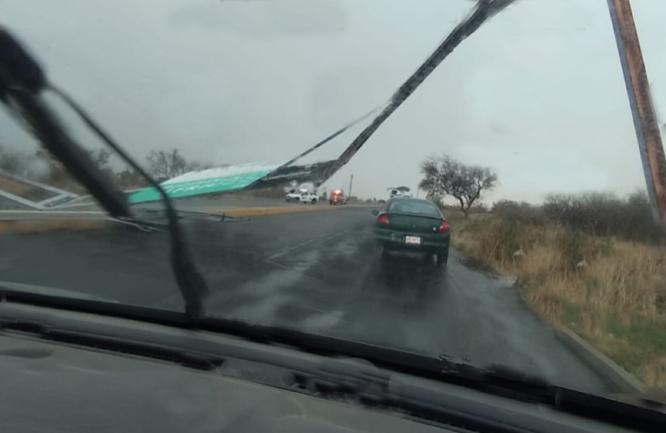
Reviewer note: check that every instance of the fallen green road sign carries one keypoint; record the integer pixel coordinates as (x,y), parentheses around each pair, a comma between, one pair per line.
(199,187)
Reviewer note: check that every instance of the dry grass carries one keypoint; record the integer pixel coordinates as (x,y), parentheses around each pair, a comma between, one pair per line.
(611,292)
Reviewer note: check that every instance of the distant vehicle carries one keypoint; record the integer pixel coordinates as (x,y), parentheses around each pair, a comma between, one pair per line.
(410,224)
(337,197)
(302,195)
(309,198)
(293,196)
(400,191)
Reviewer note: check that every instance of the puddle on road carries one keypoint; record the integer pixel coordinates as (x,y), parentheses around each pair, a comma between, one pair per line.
(259,299)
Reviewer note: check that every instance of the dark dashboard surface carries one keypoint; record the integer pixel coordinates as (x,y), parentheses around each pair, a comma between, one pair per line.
(55,388)
(61,386)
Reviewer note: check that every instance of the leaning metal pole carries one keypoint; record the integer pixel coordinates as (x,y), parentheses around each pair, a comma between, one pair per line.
(642,110)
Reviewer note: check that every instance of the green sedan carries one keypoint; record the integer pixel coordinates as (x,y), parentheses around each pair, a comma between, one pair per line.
(413,225)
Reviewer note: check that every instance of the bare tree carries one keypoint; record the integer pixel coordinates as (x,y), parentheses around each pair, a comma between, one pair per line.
(196,166)
(55,173)
(129,179)
(12,162)
(101,157)
(25,164)
(102,160)
(164,164)
(445,176)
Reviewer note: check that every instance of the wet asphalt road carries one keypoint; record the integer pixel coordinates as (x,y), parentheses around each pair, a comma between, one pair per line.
(318,272)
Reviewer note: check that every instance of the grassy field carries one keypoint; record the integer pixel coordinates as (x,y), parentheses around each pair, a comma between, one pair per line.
(611,292)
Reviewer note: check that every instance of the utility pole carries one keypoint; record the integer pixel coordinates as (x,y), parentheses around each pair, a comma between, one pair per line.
(351,181)
(642,110)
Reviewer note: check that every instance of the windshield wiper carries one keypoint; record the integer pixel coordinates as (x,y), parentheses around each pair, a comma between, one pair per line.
(188,358)
(501,381)
(22,82)
(498,380)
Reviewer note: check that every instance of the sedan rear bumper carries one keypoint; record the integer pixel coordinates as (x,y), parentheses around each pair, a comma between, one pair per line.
(430,242)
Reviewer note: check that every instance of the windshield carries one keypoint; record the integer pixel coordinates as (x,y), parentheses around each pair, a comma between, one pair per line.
(302,142)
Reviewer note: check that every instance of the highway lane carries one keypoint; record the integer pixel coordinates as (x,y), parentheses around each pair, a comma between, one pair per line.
(318,272)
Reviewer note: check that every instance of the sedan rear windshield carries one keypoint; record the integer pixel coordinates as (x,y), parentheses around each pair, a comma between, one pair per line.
(414,207)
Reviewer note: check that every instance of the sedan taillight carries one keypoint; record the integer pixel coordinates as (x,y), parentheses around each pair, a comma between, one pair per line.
(443,227)
(383,219)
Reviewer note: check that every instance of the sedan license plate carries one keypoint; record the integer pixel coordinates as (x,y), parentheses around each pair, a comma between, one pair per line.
(413,240)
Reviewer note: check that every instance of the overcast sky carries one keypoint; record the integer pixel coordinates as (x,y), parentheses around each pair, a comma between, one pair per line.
(537,93)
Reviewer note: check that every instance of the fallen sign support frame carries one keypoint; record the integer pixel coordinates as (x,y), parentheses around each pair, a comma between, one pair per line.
(318,173)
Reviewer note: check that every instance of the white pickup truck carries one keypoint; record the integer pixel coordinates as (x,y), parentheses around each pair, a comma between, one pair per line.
(400,192)
(302,196)
(293,196)
(309,197)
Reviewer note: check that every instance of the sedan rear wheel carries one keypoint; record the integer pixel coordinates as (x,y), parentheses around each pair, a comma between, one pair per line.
(386,254)
(441,259)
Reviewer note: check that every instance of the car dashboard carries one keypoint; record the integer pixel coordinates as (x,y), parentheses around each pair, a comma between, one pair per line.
(63,386)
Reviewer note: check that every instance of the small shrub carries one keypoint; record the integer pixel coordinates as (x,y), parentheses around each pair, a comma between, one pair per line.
(519,211)
(604,214)
(578,248)
(501,238)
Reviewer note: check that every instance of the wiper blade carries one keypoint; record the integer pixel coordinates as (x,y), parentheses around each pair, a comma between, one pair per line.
(13,286)
(498,380)
(22,83)
(386,362)
(188,358)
